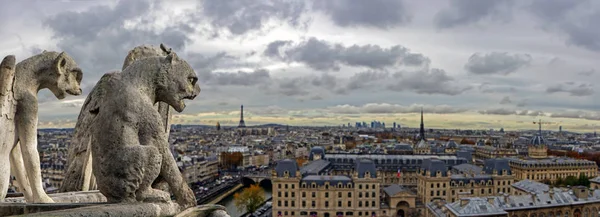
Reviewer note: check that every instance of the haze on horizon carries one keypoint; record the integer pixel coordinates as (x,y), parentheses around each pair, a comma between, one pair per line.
(468,63)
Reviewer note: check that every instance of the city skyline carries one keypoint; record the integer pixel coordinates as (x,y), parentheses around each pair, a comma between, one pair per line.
(491,64)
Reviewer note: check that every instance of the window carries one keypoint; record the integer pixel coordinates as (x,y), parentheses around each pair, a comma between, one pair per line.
(286,186)
(293,194)
(313,203)
(373,186)
(359,203)
(303,194)
(373,203)
(326,194)
(292,188)
(359,194)
(326,203)
(279,194)
(366,186)
(359,186)
(339,194)
(349,203)
(339,203)
(286,194)
(285,203)
(303,203)
(349,194)
(279,203)
(293,203)
(278,185)
(373,194)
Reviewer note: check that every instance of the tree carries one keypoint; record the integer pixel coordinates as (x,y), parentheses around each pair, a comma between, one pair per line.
(583,180)
(559,182)
(571,181)
(250,199)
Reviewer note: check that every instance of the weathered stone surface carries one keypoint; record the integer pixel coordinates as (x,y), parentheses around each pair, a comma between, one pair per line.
(129,144)
(7,115)
(116,210)
(204,211)
(68,197)
(79,176)
(55,71)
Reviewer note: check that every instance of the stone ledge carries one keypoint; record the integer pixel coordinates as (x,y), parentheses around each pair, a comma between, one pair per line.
(133,209)
(67,197)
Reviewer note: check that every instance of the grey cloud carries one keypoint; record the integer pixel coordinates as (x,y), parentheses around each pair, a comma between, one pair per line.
(587,72)
(572,89)
(381,14)
(99,41)
(496,63)
(498,111)
(434,81)
(243,16)
(385,108)
(577,114)
(505,100)
(205,64)
(241,78)
(531,113)
(322,55)
(273,48)
(464,12)
(577,20)
(363,79)
(324,80)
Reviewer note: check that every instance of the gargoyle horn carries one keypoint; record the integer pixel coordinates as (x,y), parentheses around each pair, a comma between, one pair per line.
(164,48)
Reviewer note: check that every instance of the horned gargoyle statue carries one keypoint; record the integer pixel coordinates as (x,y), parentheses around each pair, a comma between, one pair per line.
(130,149)
(19,86)
(79,176)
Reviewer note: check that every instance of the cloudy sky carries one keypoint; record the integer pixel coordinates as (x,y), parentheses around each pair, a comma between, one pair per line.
(468,63)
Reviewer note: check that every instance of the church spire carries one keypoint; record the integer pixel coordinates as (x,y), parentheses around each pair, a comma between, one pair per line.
(422,130)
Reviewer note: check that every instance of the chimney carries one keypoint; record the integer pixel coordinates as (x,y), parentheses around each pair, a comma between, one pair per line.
(464,202)
(551,193)
(580,192)
(491,200)
(505,197)
(533,196)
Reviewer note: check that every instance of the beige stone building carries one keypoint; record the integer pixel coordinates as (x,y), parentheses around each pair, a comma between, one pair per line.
(199,169)
(575,202)
(310,192)
(595,183)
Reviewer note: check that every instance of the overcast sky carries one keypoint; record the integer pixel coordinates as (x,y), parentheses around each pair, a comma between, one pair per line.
(468,63)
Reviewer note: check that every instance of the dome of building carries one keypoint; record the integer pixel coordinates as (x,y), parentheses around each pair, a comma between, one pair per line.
(537,140)
(316,153)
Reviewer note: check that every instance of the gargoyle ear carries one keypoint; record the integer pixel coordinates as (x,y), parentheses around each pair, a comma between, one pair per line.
(61,62)
(172,57)
(44,51)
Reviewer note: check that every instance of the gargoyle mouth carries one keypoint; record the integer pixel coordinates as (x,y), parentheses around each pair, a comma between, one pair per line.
(190,97)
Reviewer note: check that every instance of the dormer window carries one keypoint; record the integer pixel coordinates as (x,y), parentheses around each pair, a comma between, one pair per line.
(304,185)
(313,185)
(367,174)
(339,185)
(286,173)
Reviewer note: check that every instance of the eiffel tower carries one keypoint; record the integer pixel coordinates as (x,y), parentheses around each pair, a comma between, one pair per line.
(242,123)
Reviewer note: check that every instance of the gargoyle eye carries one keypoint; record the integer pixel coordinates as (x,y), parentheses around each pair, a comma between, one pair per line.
(192,80)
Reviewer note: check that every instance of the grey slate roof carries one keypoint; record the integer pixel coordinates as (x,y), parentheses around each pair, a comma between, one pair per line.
(552,162)
(315,167)
(499,165)
(432,166)
(595,180)
(531,186)
(451,144)
(537,140)
(467,168)
(393,189)
(364,165)
(475,207)
(317,150)
(286,165)
(389,162)
(467,155)
(321,180)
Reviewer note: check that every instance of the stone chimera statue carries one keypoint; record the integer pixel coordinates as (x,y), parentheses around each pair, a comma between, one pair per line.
(129,144)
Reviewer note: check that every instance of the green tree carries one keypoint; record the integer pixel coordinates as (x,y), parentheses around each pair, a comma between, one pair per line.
(559,182)
(583,180)
(571,181)
(250,199)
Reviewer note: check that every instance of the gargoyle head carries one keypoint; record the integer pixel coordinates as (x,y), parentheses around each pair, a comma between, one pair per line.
(177,83)
(65,77)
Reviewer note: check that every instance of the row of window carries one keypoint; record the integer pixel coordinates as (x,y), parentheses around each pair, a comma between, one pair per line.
(313,204)
(314,185)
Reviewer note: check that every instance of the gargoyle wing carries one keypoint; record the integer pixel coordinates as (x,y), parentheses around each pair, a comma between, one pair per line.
(78,149)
